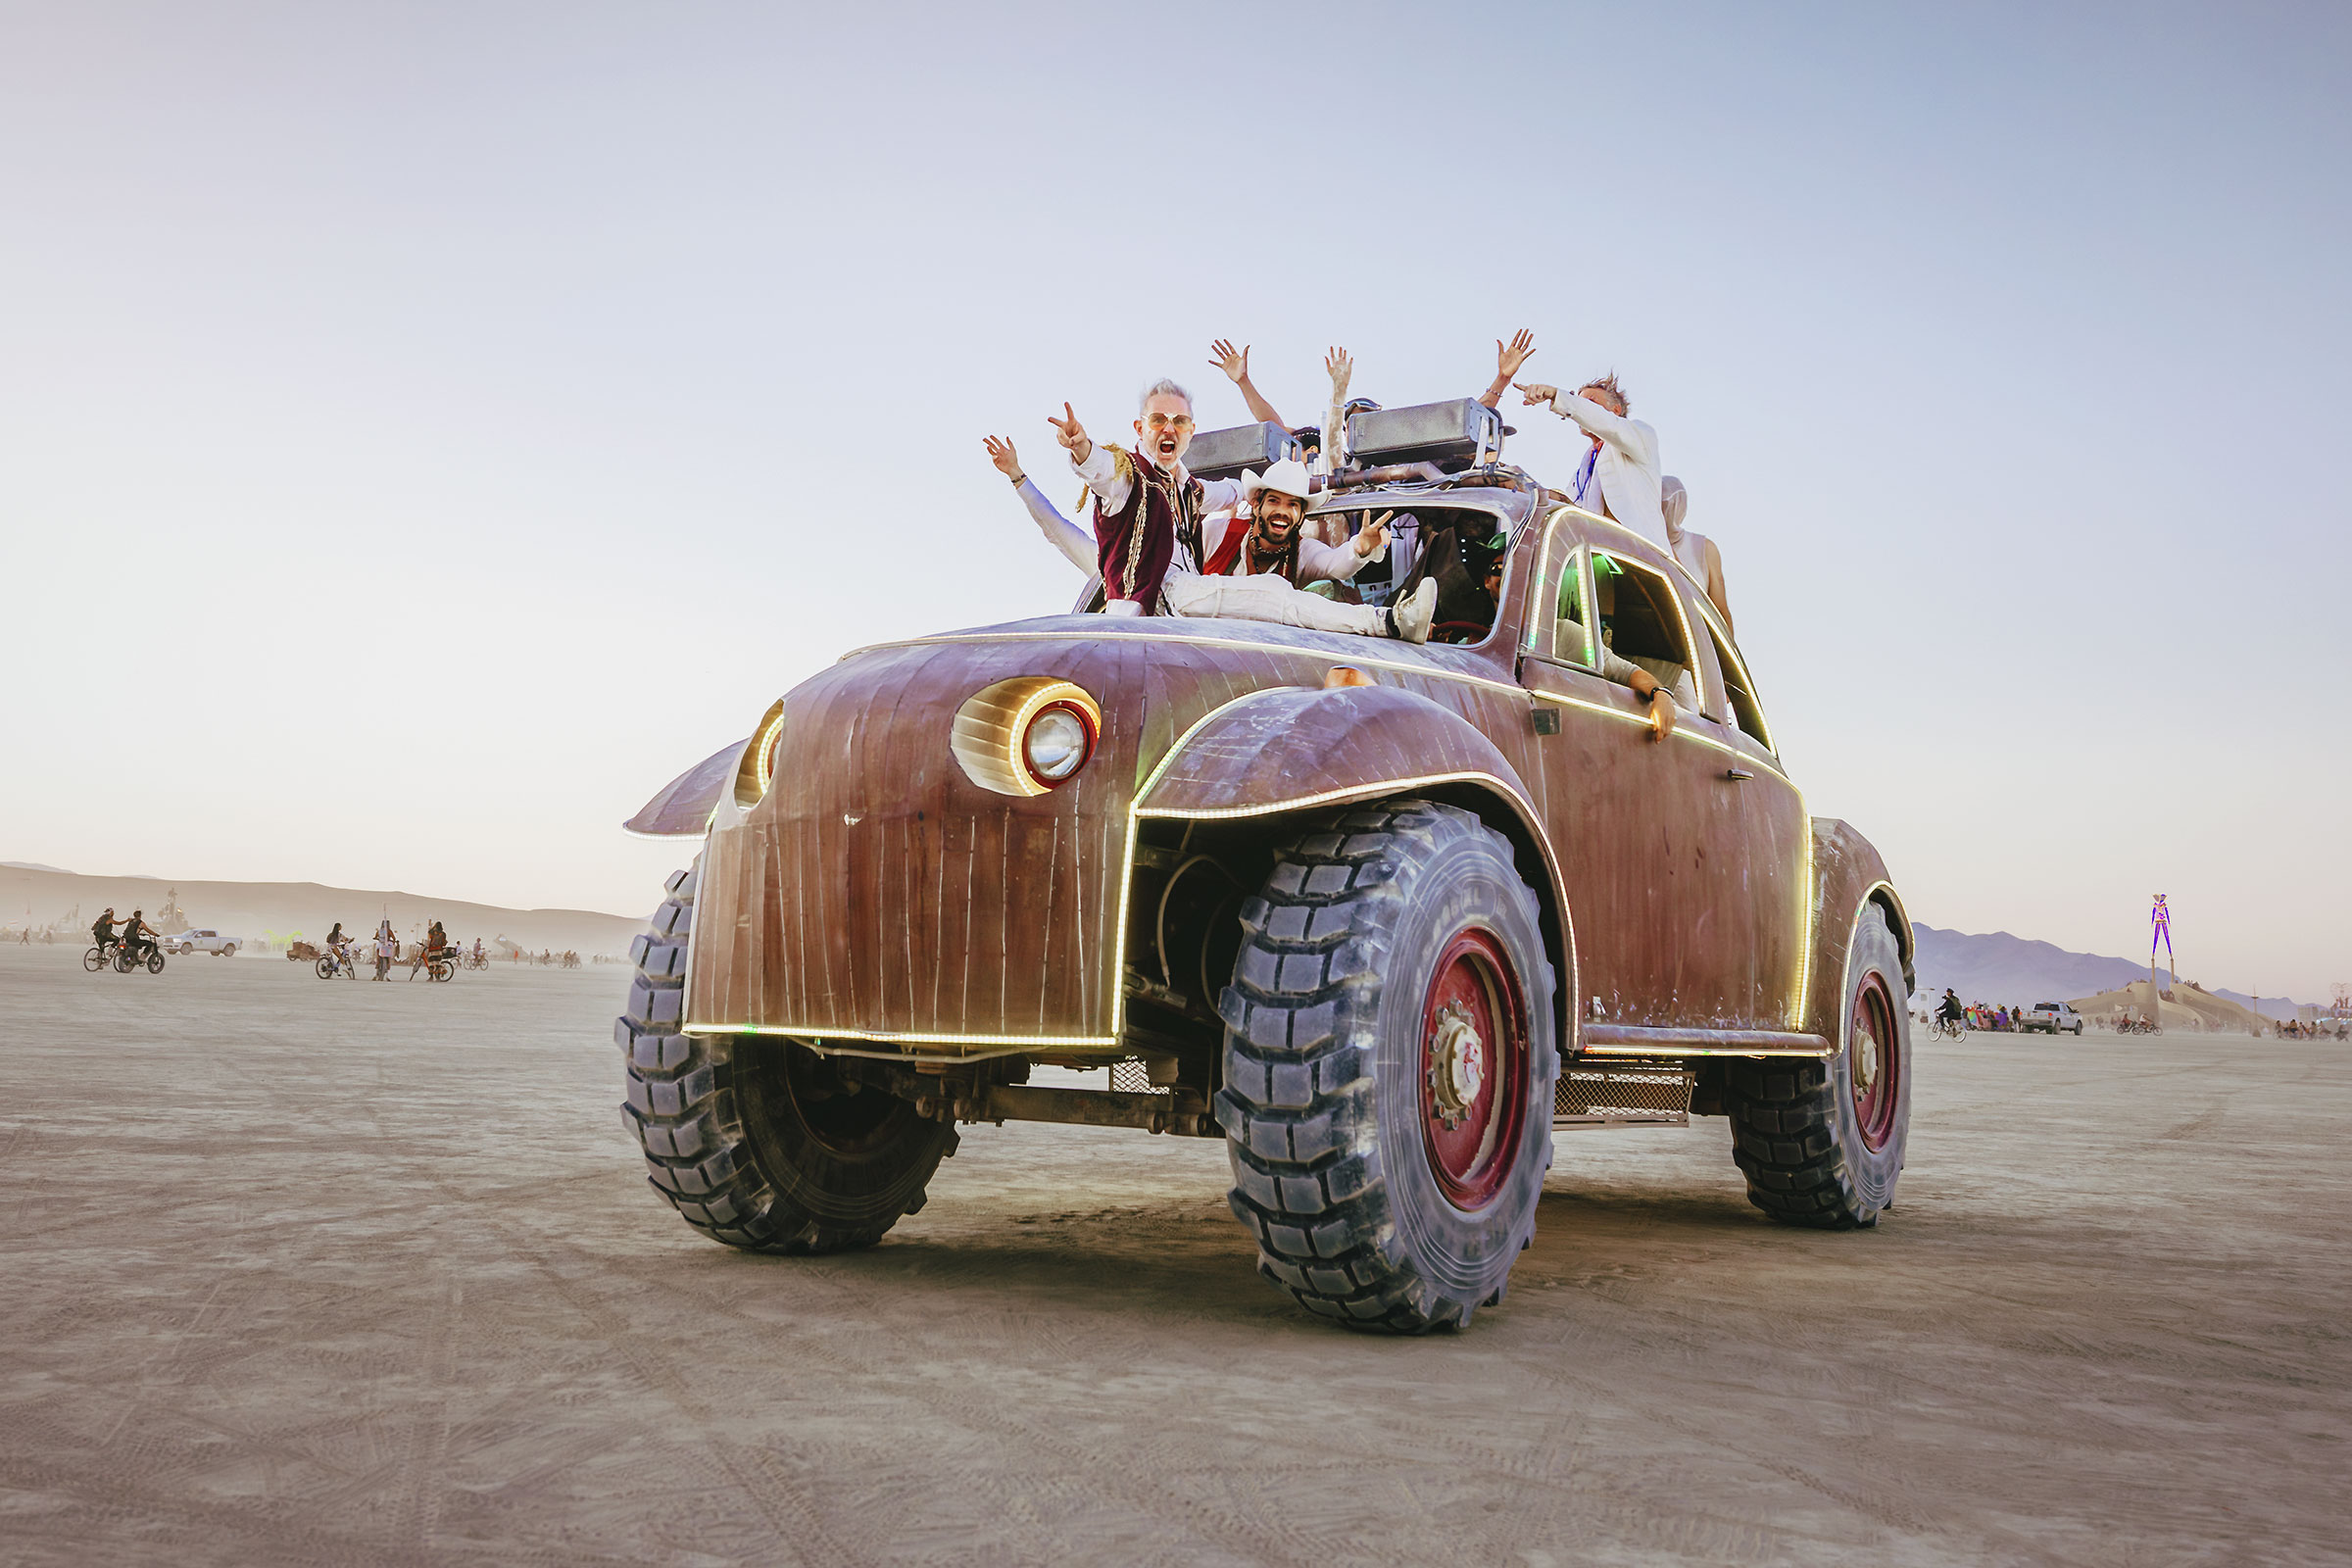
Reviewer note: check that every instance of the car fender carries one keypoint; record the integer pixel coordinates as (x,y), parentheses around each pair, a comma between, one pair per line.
(682,808)
(1848,877)
(1294,750)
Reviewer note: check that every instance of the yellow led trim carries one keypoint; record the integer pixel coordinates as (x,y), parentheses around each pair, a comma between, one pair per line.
(1296,803)
(1313,655)
(808,1032)
(1706,1051)
(756,770)
(1804,912)
(1706,611)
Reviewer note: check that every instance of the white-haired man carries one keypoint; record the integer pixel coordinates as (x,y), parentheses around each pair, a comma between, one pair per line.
(1254,567)
(1145,499)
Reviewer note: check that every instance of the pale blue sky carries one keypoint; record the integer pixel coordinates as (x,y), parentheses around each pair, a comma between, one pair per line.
(463,417)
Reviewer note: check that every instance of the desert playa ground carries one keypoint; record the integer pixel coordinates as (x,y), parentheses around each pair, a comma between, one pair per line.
(303,1272)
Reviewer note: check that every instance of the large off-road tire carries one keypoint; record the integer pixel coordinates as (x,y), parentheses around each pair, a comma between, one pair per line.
(756,1142)
(1389,1056)
(1822,1142)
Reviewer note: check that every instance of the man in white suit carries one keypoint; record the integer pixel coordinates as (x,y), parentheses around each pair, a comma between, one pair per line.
(1619,477)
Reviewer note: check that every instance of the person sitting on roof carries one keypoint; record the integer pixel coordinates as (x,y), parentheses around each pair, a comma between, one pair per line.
(1143,498)
(1255,568)
(1248,568)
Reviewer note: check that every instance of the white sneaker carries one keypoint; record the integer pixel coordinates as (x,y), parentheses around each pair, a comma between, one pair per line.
(1414,612)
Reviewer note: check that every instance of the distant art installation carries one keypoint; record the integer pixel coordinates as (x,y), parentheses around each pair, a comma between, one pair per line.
(2160,923)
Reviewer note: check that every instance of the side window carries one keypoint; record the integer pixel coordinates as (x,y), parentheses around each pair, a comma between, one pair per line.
(1557,626)
(1572,638)
(1642,621)
(1747,711)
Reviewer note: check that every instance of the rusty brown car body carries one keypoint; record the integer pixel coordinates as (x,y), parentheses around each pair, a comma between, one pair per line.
(889,924)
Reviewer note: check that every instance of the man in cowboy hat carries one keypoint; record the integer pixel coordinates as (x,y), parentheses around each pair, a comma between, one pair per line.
(1250,567)
(1256,567)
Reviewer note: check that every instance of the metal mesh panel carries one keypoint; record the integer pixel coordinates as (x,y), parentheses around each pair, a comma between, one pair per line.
(1132,1077)
(1588,1094)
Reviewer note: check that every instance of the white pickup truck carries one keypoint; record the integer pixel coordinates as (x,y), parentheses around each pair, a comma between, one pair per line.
(212,942)
(2051,1017)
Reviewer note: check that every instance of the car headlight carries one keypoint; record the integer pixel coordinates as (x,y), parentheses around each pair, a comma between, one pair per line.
(1057,742)
(1026,735)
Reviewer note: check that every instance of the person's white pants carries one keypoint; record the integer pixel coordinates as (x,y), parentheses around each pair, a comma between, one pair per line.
(1271,599)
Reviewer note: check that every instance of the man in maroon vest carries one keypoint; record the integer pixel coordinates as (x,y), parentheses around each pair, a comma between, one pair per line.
(1143,498)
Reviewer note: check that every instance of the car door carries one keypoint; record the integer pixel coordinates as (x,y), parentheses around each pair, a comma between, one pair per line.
(1648,831)
(1775,835)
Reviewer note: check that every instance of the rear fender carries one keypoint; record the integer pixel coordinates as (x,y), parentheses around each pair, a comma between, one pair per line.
(1848,879)
(1296,751)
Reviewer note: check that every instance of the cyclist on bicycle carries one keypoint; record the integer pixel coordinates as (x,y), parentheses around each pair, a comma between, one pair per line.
(102,930)
(1951,1009)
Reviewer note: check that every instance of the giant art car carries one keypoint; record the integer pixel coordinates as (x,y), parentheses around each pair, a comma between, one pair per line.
(1382,917)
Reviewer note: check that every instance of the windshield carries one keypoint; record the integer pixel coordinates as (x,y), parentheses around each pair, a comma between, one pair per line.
(1462,549)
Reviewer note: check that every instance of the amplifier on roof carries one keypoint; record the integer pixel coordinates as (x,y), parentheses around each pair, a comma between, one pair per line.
(1224,454)
(1456,433)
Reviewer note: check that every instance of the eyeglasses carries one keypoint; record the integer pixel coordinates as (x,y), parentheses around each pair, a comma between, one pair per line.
(1162,421)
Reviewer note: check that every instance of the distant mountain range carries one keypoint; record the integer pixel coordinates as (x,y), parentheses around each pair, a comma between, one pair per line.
(2009,970)
(251,911)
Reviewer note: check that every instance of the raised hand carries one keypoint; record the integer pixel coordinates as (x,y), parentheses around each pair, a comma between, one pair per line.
(1374,534)
(1236,365)
(1071,434)
(1340,369)
(1535,393)
(1509,357)
(1001,453)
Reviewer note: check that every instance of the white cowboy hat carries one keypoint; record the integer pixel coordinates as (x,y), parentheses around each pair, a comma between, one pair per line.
(1288,477)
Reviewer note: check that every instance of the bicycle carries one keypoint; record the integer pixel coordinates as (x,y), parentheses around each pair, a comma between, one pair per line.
(129,961)
(1943,1028)
(99,960)
(337,960)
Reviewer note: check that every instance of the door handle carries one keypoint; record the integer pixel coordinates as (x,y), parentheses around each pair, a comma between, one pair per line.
(1736,774)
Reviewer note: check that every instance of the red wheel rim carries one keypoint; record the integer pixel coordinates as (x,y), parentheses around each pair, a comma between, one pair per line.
(1473,1069)
(1873,1061)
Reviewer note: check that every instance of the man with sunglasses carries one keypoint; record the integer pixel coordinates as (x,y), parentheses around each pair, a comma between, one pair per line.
(1145,499)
